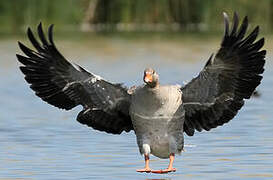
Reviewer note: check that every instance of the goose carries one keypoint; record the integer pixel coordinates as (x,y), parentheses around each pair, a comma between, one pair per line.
(158,114)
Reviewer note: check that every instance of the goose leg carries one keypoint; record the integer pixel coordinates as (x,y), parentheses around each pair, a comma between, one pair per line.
(147,168)
(170,167)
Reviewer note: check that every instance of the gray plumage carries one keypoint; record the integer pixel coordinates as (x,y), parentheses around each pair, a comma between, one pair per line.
(158,114)
(158,123)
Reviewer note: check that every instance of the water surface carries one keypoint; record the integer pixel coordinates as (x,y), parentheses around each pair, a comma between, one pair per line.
(38,141)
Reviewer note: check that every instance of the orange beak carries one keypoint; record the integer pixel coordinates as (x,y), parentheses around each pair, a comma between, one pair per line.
(148,78)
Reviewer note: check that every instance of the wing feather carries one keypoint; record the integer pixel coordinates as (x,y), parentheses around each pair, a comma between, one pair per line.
(66,85)
(216,95)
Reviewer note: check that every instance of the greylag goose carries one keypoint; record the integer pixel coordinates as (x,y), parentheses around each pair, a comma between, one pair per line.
(158,114)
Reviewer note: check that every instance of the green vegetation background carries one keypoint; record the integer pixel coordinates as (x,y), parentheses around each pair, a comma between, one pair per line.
(69,15)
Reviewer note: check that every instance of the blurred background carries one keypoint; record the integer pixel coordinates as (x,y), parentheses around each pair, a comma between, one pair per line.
(117,39)
(131,15)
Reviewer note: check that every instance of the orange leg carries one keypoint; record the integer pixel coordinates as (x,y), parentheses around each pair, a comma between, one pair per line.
(170,167)
(147,168)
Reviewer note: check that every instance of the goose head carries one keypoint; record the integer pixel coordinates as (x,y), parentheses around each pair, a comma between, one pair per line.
(151,78)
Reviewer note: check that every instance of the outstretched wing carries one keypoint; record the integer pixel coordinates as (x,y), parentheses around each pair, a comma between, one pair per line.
(218,92)
(66,85)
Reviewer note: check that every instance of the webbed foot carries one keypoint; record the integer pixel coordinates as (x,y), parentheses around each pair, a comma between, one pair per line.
(164,171)
(147,170)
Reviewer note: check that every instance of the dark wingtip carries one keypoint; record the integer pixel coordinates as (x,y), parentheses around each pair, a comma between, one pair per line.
(255,32)
(257,29)
(50,34)
(243,28)
(259,44)
(264,51)
(262,41)
(235,23)
(51,26)
(29,30)
(40,25)
(21,45)
(245,21)
(18,56)
(253,35)
(41,34)
(33,40)
(29,33)
(21,59)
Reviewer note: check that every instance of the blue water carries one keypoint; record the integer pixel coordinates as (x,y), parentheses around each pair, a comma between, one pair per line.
(38,141)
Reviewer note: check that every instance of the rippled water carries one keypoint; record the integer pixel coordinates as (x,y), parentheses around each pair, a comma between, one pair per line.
(38,141)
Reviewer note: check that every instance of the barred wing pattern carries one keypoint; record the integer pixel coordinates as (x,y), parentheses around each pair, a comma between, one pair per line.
(216,95)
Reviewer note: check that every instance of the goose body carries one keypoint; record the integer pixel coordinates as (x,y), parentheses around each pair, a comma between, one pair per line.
(157,116)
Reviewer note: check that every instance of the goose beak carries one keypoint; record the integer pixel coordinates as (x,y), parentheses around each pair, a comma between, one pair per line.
(148,78)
